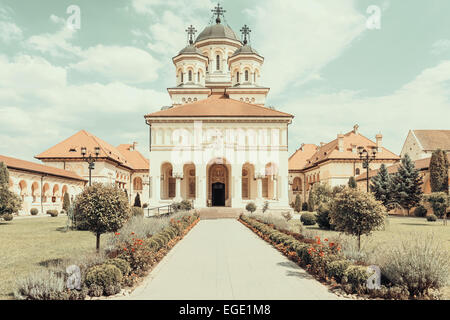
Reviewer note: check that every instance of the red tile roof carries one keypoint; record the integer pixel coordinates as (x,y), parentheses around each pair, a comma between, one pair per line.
(299,158)
(18,164)
(219,105)
(350,140)
(433,139)
(134,157)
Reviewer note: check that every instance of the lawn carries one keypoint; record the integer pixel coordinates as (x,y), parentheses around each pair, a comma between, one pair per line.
(396,227)
(29,244)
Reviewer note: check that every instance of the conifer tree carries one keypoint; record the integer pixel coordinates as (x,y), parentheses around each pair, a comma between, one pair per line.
(381,186)
(407,183)
(10,203)
(352,183)
(137,201)
(66,202)
(439,171)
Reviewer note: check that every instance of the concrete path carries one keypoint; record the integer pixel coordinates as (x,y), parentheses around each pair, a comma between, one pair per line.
(222,259)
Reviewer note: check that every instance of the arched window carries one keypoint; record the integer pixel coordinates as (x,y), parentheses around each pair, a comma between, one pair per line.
(190,75)
(217,62)
(246,75)
(198,76)
(182,78)
(357,171)
(237,77)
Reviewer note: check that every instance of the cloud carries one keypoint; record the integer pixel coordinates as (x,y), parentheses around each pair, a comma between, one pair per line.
(127,64)
(423,103)
(440,46)
(9,32)
(56,44)
(39,107)
(305,36)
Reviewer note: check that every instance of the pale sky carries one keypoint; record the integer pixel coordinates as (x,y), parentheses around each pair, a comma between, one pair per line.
(322,63)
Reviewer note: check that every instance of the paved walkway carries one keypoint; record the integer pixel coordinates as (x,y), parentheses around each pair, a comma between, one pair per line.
(222,259)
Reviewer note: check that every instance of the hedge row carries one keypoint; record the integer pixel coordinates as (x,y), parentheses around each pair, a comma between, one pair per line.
(320,258)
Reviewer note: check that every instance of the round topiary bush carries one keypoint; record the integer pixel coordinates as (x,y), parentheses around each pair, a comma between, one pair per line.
(122,264)
(336,269)
(7,217)
(95,290)
(431,218)
(420,211)
(250,207)
(103,275)
(34,211)
(356,276)
(112,290)
(308,219)
(137,212)
(53,213)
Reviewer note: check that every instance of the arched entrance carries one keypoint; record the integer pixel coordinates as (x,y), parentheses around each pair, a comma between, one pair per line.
(218,185)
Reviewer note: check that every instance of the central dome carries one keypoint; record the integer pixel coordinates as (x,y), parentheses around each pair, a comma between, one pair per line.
(215,31)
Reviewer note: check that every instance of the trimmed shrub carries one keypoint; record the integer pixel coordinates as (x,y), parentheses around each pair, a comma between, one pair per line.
(34,211)
(122,264)
(250,207)
(95,290)
(439,201)
(8,217)
(297,203)
(431,218)
(186,205)
(336,269)
(420,211)
(417,263)
(112,290)
(304,206)
(103,275)
(323,216)
(308,219)
(137,212)
(53,213)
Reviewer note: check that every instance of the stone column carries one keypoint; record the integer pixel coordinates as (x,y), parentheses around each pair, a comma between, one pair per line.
(236,180)
(259,198)
(178,189)
(201,189)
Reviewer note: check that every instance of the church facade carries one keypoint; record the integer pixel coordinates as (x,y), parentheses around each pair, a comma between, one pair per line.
(218,145)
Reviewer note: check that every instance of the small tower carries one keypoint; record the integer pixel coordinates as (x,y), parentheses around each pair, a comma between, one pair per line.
(190,66)
(245,66)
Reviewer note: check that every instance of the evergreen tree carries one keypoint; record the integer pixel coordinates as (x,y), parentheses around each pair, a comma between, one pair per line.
(439,171)
(298,203)
(66,202)
(381,186)
(137,201)
(10,203)
(352,183)
(407,184)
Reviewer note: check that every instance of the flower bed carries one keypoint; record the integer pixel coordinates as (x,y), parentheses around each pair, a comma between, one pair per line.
(123,265)
(321,258)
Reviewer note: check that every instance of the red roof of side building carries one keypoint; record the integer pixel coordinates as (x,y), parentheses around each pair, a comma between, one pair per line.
(219,105)
(71,148)
(351,140)
(299,158)
(18,164)
(433,139)
(134,157)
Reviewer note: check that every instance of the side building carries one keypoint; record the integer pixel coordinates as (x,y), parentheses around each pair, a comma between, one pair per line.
(420,144)
(41,187)
(334,162)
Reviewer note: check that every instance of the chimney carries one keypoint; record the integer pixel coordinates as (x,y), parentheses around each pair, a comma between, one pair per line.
(355,128)
(133,147)
(379,139)
(340,138)
(322,144)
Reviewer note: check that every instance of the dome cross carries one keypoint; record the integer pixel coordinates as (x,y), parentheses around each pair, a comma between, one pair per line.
(245,32)
(191,32)
(218,11)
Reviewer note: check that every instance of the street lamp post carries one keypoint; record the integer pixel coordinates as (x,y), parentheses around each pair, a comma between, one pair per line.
(367,158)
(90,159)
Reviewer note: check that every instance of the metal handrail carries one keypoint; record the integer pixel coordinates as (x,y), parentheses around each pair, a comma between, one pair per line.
(159,209)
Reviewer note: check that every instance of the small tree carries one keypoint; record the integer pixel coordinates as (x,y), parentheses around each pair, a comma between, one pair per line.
(102,208)
(66,202)
(310,201)
(10,203)
(320,193)
(352,183)
(439,201)
(381,186)
(356,213)
(250,207)
(439,171)
(137,201)
(298,203)
(407,183)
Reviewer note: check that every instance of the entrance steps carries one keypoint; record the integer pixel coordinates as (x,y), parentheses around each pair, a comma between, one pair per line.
(219,213)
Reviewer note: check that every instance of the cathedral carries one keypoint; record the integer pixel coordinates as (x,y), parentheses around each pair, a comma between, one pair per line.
(218,145)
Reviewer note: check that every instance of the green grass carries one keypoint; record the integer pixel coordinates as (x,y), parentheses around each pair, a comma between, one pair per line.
(396,228)
(28,244)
